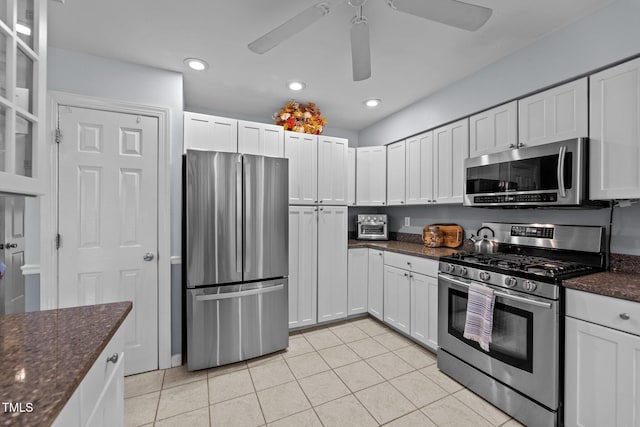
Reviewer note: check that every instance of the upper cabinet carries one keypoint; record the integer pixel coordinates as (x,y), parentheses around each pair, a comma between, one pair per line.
(615,132)
(23,70)
(494,130)
(371,176)
(302,151)
(554,115)
(261,139)
(332,170)
(419,169)
(205,132)
(451,147)
(351,176)
(396,155)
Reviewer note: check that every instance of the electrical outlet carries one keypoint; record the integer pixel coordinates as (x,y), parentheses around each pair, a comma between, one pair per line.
(407,221)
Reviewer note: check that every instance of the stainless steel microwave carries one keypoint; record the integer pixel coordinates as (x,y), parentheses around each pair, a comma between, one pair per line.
(551,174)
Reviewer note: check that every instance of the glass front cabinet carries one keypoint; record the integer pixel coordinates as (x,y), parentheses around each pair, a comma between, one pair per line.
(22,95)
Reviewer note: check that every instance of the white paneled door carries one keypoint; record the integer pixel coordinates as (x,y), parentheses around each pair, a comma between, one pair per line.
(12,254)
(108,220)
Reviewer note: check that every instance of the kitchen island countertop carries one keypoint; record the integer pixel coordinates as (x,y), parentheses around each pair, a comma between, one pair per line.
(407,248)
(44,355)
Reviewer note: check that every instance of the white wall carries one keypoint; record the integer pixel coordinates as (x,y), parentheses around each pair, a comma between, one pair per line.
(84,74)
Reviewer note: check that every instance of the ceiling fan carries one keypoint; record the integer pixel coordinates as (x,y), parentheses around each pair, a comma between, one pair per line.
(455,13)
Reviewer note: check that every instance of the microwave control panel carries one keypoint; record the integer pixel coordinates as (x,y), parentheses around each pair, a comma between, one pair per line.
(527,231)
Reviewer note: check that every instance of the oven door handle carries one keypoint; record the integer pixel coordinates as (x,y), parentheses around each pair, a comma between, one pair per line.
(561,156)
(501,294)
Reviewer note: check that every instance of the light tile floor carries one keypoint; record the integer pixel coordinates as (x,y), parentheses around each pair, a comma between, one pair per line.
(356,373)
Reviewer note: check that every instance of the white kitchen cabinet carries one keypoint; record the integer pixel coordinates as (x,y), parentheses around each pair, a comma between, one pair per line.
(261,139)
(614,136)
(419,169)
(303,265)
(375,288)
(396,188)
(397,298)
(358,280)
(602,359)
(332,263)
(424,309)
(205,132)
(494,130)
(351,176)
(371,176)
(554,115)
(332,170)
(302,151)
(451,147)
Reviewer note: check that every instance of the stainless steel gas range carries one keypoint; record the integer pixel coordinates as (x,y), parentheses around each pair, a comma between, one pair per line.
(522,371)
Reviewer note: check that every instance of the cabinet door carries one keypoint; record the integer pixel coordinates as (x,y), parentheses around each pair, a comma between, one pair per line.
(260,139)
(419,169)
(332,170)
(424,309)
(357,280)
(109,410)
(303,265)
(351,176)
(494,130)
(371,176)
(396,156)
(554,115)
(332,263)
(451,147)
(614,136)
(302,151)
(397,298)
(205,132)
(375,297)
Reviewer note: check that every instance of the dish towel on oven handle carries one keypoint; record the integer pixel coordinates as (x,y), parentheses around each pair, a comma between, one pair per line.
(479,322)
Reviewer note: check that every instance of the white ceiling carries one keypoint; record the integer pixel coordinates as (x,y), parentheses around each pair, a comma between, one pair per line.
(411,57)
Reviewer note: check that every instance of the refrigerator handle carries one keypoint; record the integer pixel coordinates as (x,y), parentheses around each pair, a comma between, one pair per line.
(239,216)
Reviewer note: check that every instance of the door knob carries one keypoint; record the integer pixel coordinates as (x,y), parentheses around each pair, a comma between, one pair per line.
(9,245)
(148,256)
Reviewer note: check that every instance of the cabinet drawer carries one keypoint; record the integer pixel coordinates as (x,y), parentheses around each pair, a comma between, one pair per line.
(614,313)
(424,266)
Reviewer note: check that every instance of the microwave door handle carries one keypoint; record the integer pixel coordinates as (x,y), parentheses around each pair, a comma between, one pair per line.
(561,156)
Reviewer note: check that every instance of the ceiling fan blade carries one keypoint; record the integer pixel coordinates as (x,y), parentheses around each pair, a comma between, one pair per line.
(360,51)
(290,28)
(458,14)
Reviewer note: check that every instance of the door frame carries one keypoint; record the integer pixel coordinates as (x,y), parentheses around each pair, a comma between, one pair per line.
(49,207)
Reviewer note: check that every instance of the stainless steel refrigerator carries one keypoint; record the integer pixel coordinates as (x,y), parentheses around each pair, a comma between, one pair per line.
(236,259)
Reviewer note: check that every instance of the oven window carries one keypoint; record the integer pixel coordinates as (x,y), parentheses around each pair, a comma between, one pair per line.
(537,174)
(512,336)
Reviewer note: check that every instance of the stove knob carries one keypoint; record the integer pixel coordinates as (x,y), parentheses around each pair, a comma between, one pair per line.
(484,276)
(463,271)
(451,268)
(529,285)
(510,281)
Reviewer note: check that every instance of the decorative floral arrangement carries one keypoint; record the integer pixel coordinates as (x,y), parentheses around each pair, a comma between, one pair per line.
(300,117)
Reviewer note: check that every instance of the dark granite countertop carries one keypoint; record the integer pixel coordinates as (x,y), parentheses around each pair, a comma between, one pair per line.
(407,248)
(611,284)
(44,356)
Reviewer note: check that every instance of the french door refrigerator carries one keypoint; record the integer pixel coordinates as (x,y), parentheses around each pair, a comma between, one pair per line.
(236,260)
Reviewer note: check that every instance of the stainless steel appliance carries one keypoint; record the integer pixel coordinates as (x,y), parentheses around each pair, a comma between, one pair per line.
(553,174)
(372,227)
(522,371)
(235,251)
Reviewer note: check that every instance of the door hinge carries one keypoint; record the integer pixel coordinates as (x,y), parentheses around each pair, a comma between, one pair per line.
(58,136)
(58,240)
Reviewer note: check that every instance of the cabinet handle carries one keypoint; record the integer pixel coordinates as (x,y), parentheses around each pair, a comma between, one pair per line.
(624,316)
(113,359)
(513,145)
(380,253)
(521,144)
(406,275)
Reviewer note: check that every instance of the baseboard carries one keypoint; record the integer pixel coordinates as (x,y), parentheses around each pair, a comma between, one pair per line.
(176,360)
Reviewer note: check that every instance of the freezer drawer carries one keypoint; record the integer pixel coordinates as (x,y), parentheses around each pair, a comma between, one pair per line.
(226,324)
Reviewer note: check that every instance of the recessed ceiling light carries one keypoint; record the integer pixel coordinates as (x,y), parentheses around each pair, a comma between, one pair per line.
(196,64)
(297,85)
(372,102)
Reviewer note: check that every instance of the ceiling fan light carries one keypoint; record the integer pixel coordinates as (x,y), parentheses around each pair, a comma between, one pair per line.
(296,85)
(196,64)
(372,103)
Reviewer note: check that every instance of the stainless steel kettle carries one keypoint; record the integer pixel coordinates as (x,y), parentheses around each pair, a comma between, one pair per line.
(484,245)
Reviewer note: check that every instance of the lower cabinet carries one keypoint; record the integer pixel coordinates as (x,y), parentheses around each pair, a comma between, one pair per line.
(602,359)
(357,281)
(397,298)
(375,288)
(99,399)
(424,309)
(332,263)
(303,265)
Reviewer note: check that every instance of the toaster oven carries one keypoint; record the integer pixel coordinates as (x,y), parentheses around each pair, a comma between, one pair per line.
(372,227)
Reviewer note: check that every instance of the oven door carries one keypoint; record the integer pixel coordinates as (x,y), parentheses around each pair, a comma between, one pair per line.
(372,230)
(524,352)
